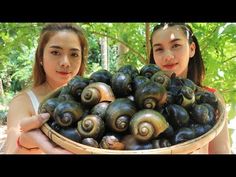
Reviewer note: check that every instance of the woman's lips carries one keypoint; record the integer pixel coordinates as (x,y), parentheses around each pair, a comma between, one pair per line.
(170,66)
(63,73)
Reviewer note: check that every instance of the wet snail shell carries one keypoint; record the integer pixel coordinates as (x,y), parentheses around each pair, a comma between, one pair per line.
(71,133)
(90,142)
(131,143)
(76,86)
(130,70)
(111,142)
(186,97)
(177,115)
(200,114)
(138,81)
(96,92)
(161,143)
(121,84)
(183,134)
(91,126)
(150,95)
(119,113)
(101,76)
(161,78)
(148,70)
(68,112)
(49,106)
(100,109)
(147,124)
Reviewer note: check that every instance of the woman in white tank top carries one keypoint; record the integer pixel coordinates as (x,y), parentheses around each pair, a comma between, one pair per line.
(61,54)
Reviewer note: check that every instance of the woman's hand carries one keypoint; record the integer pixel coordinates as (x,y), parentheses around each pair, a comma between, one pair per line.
(32,138)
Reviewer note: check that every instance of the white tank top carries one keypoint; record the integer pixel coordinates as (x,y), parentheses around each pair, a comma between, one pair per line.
(34,100)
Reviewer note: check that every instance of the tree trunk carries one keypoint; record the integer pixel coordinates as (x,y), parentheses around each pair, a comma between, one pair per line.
(147,31)
(104,52)
(1,88)
(122,49)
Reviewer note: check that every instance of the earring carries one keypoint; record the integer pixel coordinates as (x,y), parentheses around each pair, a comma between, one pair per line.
(41,63)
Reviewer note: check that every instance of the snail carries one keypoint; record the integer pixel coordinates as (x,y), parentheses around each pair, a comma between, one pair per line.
(101,76)
(68,112)
(96,92)
(121,84)
(131,143)
(90,142)
(200,129)
(100,109)
(138,81)
(149,70)
(65,94)
(161,143)
(119,113)
(200,114)
(130,70)
(71,133)
(150,95)
(111,142)
(183,134)
(186,97)
(207,97)
(91,126)
(147,124)
(76,86)
(161,78)
(176,115)
(49,105)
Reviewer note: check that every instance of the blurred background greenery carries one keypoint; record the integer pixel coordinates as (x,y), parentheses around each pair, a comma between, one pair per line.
(112,45)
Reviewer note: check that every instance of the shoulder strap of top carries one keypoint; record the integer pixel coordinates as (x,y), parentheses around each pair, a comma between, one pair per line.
(34,100)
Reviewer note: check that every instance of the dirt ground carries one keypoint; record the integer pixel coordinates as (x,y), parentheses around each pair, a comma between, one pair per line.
(3,136)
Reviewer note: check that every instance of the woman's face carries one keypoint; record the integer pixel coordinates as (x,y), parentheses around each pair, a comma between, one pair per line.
(171,50)
(62,58)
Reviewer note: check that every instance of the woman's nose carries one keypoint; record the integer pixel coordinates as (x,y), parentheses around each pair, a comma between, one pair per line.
(168,56)
(65,62)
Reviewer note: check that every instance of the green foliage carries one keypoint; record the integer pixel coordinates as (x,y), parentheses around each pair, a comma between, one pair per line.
(217,42)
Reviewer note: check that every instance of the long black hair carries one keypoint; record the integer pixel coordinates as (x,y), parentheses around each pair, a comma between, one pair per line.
(196,68)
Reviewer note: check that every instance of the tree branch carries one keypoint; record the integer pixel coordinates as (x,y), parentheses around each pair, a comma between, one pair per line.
(228,59)
(122,42)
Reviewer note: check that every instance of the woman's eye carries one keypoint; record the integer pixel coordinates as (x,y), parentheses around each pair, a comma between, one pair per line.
(55,53)
(74,55)
(158,49)
(176,45)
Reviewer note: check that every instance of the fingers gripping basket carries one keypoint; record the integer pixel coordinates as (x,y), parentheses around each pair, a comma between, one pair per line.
(187,147)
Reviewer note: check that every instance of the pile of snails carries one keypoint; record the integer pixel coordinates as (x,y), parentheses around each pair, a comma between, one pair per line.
(131,109)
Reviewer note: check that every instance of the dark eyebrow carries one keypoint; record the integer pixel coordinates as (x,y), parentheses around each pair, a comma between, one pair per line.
(172,41)
(58,47)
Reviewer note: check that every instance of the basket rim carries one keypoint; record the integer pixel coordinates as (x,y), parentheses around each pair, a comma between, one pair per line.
(189,146)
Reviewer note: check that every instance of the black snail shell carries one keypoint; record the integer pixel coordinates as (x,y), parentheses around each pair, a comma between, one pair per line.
(161,78)
(148,70)
(76,86)
(150,95)
(207,97)
(49,106)
(68,112)
(183,134)
(65,94)
(119,113)
(200,114)
(101,76)
(71,133)
(177,115)
(186,97)
(121,84)
(138,81)
(96,92)
(147,124)
(131,143)
(130,70)
(100,109)
(90,142)
(91,126)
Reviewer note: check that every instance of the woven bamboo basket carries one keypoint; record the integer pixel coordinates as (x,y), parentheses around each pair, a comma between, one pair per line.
(188,147)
